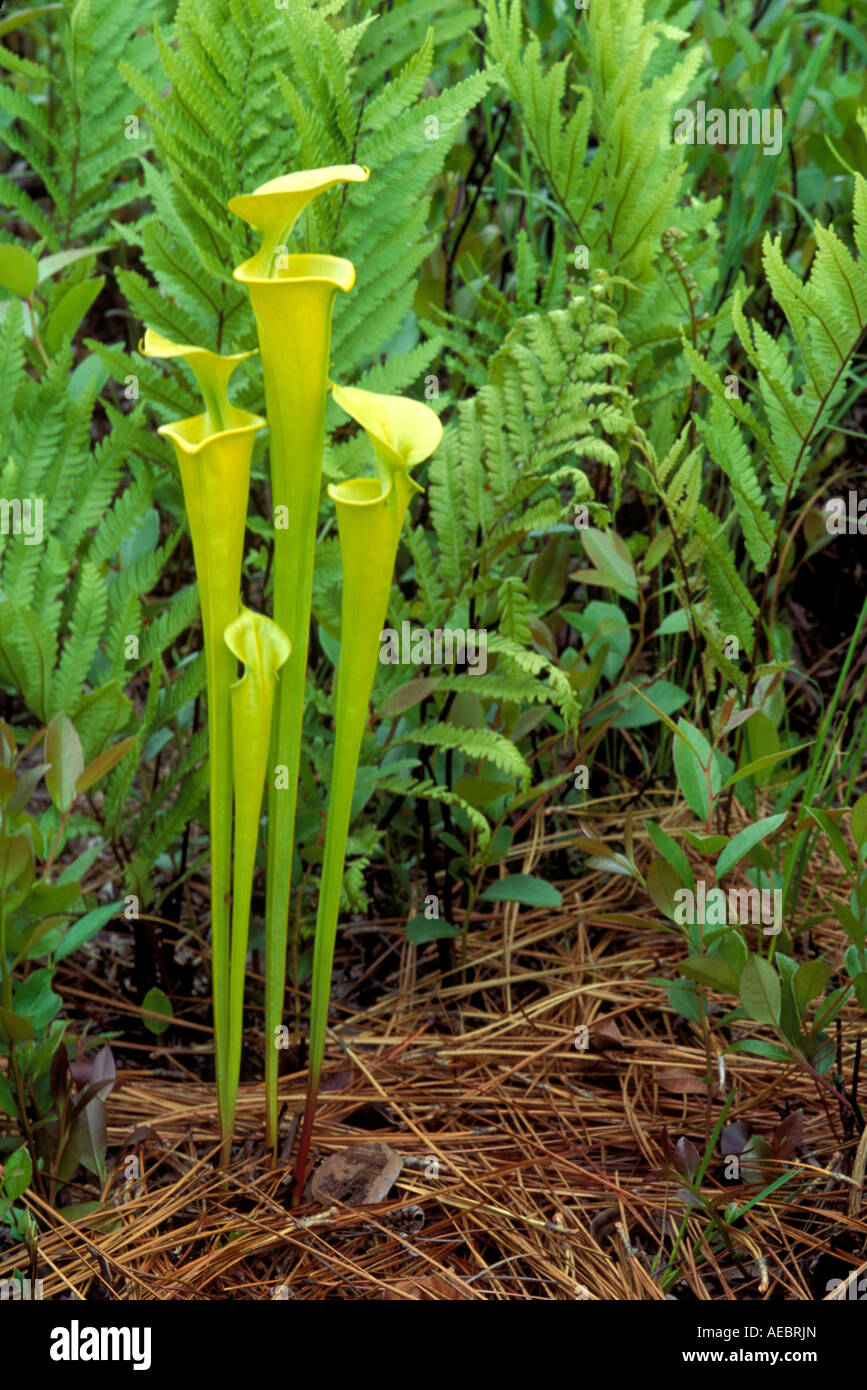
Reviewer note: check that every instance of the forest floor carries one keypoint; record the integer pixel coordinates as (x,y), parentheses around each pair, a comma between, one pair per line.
(533,1155)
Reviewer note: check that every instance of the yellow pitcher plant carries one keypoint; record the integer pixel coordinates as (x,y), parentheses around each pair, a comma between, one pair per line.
(213,451)
(259,643)
(292,298)
(255,723)
(370,515)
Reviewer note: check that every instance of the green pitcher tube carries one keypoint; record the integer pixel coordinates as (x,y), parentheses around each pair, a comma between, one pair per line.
(370,516)
(259,643)
(213,452)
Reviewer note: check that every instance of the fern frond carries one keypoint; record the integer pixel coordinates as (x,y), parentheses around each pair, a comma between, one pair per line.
(475,744)
(85,631)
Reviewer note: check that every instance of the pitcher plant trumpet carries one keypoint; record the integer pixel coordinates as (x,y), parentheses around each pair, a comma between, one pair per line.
(213,452)
(257,642)
(370,516)
(255,723)
(293,298)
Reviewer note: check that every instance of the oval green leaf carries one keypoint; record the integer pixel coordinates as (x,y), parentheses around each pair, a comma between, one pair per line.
(18,270)
(156,1002)
(523,888)
(17,1173)
(760,990)
(421,929)
(710,970)
(745,840)
(63,752)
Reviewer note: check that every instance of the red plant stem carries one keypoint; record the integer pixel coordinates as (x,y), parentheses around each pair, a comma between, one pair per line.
(304,1145)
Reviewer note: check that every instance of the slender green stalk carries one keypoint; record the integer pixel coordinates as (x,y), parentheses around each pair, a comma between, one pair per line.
(6,982)
(370,514)
(263,648)
(293,298)
(822,763)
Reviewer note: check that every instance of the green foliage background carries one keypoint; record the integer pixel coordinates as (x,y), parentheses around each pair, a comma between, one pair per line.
(570,289)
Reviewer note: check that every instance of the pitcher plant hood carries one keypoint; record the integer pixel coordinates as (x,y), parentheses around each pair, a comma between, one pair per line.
(403,432)
(370,515)
(213,372)
(213,452)
(274,208)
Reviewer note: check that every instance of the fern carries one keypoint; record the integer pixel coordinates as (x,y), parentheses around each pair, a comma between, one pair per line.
(428,790)
(514,604)
(70,119)
(479,744)
(548,402)
(613,184)
(506,471)
(764,445)
(726,445)
(68,604)
(88,621)
(256,90)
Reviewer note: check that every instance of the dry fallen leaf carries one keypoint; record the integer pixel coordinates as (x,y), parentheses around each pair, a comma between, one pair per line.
(605,1033)
(673,1079)
(339,1080)
(359,1175)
